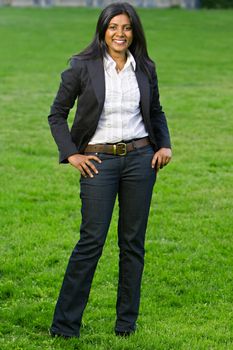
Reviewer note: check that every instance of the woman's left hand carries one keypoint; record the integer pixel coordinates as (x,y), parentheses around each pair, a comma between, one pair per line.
(161,158)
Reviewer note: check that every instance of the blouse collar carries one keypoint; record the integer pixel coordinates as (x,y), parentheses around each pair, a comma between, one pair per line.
(109,61)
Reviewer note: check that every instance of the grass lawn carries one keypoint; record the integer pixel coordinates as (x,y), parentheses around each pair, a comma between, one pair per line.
(187,290)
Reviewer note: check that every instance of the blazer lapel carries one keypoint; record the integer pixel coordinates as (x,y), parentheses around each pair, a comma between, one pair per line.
(144,88)
(96,71)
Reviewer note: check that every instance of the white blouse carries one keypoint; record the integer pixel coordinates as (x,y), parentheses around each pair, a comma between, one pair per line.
(121,118)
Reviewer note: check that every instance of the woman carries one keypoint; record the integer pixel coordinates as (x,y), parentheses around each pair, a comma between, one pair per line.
(118,142)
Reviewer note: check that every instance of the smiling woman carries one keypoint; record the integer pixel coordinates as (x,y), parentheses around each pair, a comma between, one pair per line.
(118,38)
(118,142)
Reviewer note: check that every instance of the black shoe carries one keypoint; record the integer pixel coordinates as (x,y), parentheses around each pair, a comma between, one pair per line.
(56,335)
(124,334)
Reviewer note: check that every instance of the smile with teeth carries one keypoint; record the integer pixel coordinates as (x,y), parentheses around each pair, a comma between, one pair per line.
(119,41)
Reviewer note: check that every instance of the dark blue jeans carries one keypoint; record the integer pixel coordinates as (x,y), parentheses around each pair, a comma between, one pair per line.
(131,178)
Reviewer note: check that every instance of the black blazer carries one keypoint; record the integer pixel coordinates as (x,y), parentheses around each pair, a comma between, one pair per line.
(85,80)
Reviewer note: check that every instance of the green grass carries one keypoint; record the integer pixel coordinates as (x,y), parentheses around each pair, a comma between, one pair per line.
(187,286)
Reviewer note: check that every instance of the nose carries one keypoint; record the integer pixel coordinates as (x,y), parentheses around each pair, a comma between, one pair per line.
(120,31)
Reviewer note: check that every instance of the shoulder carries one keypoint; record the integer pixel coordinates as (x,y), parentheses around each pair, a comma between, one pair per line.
(147,67)
(82,66)
(78,61)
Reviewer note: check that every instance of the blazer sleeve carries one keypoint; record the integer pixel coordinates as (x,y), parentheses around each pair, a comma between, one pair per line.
(67,93)
(157,116)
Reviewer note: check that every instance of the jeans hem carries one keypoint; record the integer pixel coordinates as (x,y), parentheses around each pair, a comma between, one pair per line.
(54,332)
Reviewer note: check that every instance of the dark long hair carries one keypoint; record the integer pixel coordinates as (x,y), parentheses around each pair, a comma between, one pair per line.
(138,48)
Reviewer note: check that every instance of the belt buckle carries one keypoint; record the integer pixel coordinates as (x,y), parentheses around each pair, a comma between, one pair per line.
(120,149)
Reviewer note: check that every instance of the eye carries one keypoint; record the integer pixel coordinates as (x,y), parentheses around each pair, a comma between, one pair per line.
(128,28)
(112,27)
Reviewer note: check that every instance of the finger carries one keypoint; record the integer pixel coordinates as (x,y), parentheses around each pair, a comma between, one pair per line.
(157,168)
(154,161)
(86,169)
(162,163)
(76,165)
(159,163)
(82,171)
(91,165)
(95,158)
(167,160)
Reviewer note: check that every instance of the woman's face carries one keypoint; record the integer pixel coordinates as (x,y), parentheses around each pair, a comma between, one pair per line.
(119,35)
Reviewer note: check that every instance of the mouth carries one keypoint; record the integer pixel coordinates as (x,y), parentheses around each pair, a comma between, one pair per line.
(119,41)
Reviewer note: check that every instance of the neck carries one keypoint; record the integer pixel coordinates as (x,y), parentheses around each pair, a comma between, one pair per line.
(120,60)
(119,57)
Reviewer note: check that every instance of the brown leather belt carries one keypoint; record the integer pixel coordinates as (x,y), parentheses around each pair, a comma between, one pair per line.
(118,149)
